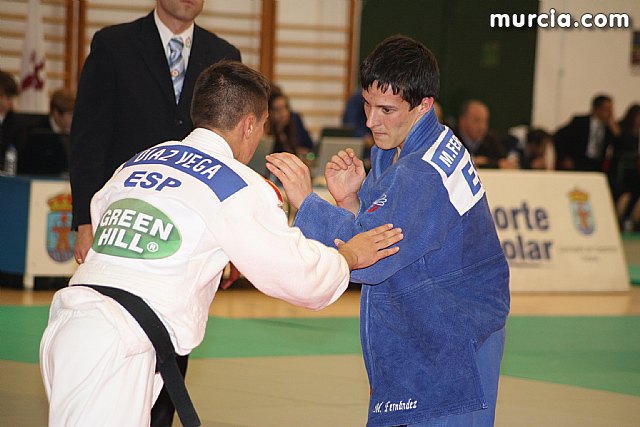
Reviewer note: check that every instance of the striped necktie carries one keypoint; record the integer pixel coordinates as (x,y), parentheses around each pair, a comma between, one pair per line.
(176,65)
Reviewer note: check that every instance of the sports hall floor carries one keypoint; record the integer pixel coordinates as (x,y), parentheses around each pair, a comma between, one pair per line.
(570,360)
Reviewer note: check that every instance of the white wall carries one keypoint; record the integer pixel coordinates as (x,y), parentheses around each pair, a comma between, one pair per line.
(572,65)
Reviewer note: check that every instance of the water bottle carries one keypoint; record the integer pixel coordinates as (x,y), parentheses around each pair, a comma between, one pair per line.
(11,160)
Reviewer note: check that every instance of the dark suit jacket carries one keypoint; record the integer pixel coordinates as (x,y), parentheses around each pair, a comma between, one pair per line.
(490,147)
(125,102)
(571,142)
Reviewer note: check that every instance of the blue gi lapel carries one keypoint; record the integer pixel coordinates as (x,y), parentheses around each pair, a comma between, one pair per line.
(420,138)
(423,134)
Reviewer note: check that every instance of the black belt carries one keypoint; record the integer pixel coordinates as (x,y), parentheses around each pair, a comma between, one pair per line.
(165,353)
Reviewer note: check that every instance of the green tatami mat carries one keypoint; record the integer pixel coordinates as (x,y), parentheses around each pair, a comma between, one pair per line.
(20,332)
(22,327)
(593,352)
(279,337)
(634,274)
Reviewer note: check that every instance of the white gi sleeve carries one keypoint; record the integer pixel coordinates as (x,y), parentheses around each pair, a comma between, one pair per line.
(276,258)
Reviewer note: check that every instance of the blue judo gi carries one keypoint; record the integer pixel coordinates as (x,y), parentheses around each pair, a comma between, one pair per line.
(432,305)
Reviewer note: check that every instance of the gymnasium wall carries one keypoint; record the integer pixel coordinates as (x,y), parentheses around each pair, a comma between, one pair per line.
(527,76)
(537,76)
(476,61)
(573,65)
(311,48)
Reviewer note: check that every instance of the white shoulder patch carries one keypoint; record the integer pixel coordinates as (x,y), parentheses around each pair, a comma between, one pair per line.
(459,176)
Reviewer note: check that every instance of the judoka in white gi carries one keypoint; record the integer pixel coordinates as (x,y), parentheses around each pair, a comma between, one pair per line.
(166,225)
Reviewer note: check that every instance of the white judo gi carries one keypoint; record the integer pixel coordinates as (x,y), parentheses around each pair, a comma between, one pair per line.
(166,225)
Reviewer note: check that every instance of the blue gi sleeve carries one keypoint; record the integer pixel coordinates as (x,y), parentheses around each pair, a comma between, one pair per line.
(415,201)
(324,222)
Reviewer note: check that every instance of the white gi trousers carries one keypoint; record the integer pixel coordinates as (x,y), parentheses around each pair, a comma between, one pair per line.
(98,367)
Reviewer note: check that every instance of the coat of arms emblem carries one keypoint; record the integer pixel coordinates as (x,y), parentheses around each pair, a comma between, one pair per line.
(581,211)
(60,238)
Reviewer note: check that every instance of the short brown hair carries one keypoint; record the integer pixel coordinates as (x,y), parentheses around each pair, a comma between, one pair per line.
(62,101)
(227,91)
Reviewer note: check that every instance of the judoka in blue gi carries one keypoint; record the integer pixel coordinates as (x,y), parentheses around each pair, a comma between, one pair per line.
(432,317)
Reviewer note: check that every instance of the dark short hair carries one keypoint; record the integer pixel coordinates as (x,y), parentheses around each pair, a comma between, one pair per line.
(406,66)
(598,100)
(227,91)
(8,85)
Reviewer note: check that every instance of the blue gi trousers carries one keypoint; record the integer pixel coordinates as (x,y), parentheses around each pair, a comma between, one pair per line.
(489,358)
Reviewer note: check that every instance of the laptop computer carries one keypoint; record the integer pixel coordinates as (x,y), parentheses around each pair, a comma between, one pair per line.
(43,154)
(257,162)
(330,145)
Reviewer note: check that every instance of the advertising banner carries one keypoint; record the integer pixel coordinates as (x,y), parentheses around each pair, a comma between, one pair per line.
(558,230)
(50,240)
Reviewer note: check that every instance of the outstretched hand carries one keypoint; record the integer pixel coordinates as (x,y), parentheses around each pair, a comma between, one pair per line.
(293,174)
(84,240)
(367,248)
(344,174)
